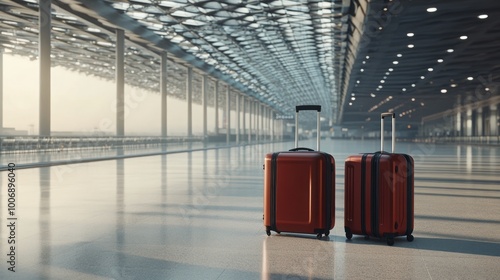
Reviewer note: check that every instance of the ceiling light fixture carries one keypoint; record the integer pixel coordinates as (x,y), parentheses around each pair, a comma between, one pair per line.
(470,78)
(431,10)
(411,46)
(449,50)
(440,60)
(463,37)
(444,91)
(410,34)
(484,16)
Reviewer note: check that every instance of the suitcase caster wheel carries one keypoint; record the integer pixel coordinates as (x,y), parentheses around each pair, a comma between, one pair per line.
(409,238)
(390,241)
(268,232)
(327,233)
(318,236)
(348,235)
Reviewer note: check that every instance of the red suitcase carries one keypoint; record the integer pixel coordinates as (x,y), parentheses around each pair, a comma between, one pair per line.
(299,188)
(379,193)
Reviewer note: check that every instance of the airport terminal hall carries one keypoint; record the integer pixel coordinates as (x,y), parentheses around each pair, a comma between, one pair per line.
(233,139)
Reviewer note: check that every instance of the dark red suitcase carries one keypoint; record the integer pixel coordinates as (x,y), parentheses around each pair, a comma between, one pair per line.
(379,193)
(299,189)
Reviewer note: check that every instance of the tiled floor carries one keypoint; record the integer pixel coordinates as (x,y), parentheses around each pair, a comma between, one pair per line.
(199,216)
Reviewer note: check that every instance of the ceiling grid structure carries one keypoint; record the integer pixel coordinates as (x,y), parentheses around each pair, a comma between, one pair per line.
(277,52)
(356,58)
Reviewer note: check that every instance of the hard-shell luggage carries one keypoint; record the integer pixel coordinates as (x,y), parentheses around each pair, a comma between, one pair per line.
(379,193)
(299,188)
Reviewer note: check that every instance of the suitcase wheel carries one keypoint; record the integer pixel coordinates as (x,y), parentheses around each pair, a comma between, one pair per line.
(318,236)
(390,241)
(348,234)
(268,232)
(409,237)
(327,233)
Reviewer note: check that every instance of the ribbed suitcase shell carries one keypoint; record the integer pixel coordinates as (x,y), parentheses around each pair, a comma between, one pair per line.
(379,195)
(299,192)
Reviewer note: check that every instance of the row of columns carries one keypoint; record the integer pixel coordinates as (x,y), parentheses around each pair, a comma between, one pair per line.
(483,121)
(480,118)
(262,121)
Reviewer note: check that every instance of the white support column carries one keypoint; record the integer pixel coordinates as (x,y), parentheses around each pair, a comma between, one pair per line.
(1,89)
(257,126)
(458,120)
(216,106)
(228,114)
(244,109)
(204,100)
(189,100)
(44,50)
(120,82)
(468,122)
(493,120)
(479,122)
(163,92)
(268,122)
(238,117)
(261,122)
(273,124)
(250,114)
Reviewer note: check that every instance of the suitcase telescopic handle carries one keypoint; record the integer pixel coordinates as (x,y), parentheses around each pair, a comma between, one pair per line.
(393,131)
(299,108)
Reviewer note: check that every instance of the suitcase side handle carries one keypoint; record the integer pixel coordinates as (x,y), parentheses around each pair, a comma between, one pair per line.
(382,131)
(318,126)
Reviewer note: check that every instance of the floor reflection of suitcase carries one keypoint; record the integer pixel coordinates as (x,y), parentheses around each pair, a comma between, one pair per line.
(299,188)
(379,193)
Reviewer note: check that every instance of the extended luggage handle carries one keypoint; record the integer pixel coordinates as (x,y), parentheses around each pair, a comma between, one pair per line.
(318,127)
(382,131)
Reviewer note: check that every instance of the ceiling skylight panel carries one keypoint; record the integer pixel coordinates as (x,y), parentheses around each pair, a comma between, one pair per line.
(153,10)
(185,14)
(167,19)
(193,22)
(299,8)
(137,15)
(213,5)
(177,39)
(171,4)
(324,5)
(120,6)
(152,25)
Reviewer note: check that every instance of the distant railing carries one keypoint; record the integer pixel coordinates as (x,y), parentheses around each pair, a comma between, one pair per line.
(27,144)
(486,140)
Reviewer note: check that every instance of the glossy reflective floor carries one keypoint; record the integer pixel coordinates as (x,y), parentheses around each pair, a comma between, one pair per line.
(198,215)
